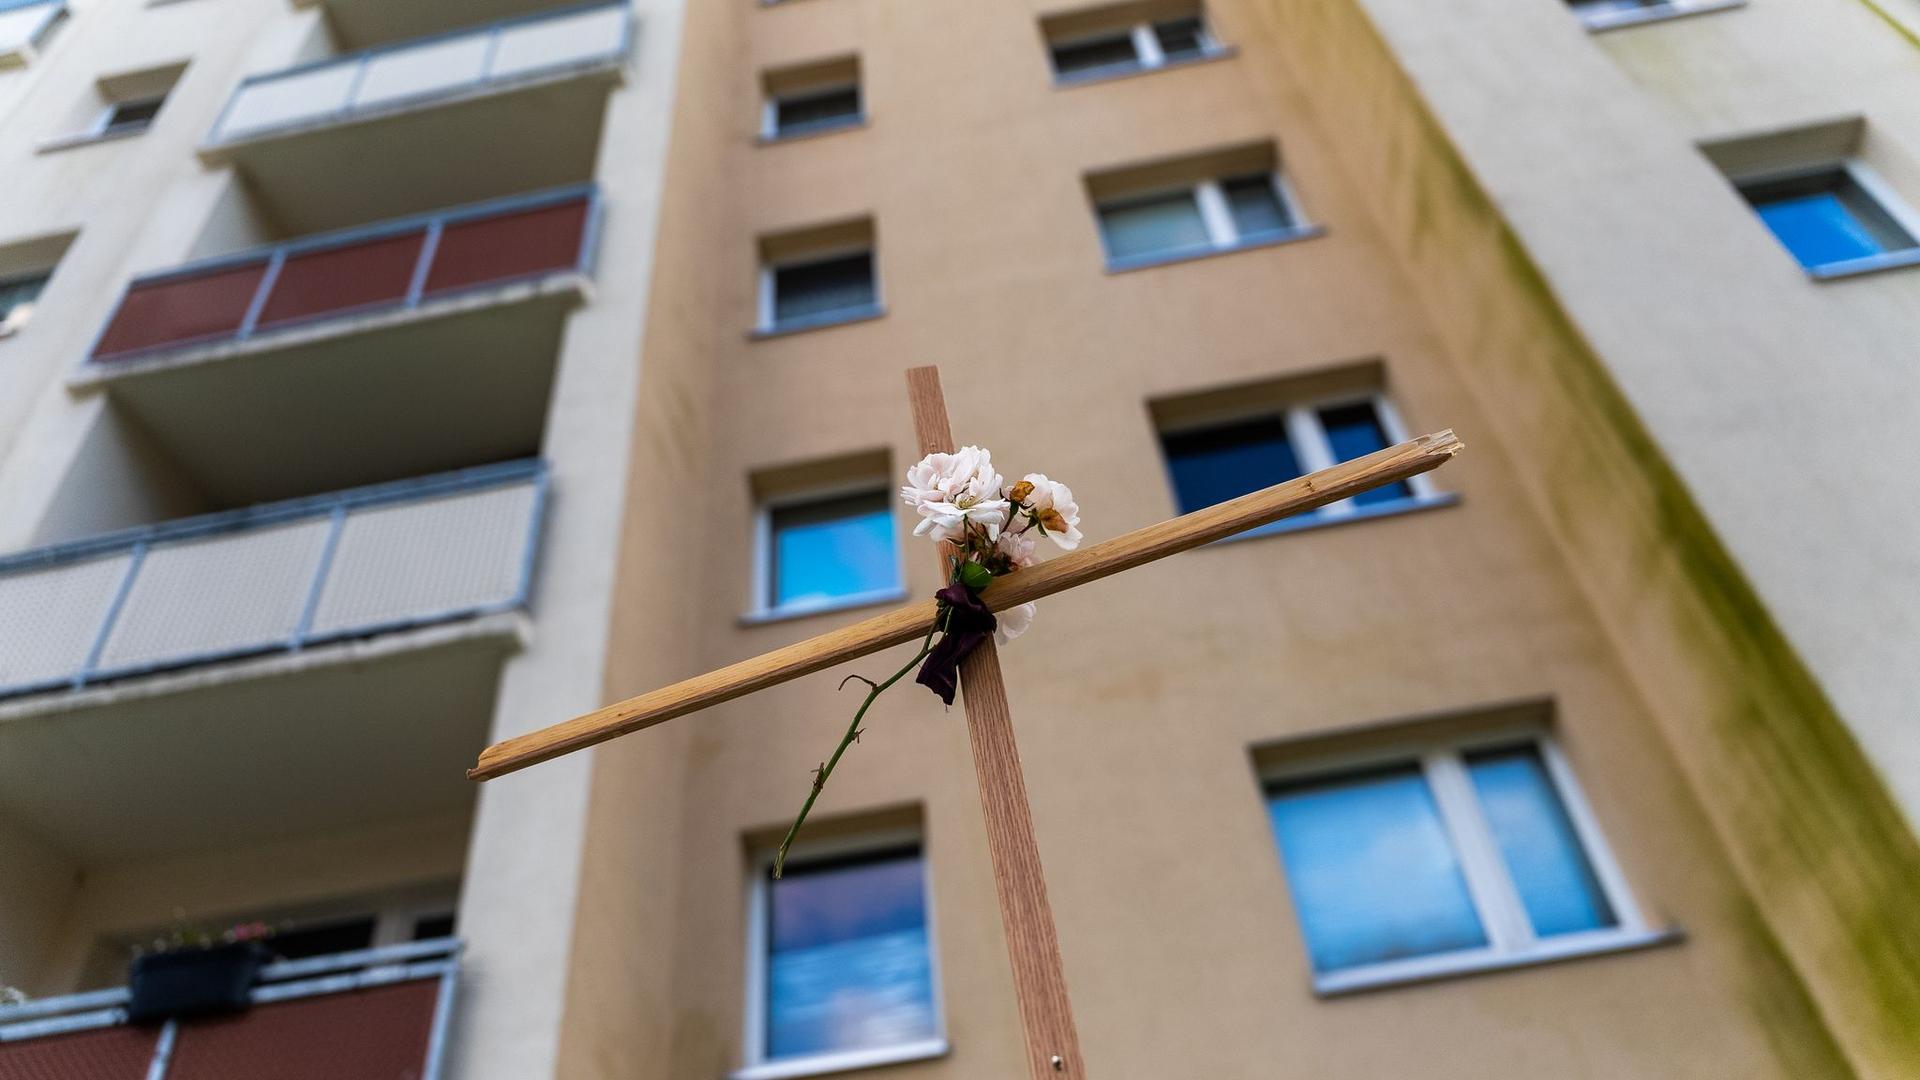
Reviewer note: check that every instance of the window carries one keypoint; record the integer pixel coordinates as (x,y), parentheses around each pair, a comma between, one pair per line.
(1603,14)
(1212,461)
(119,106)
(1083,52)
(25,26)
(831,550)
(812,98)
(1164,211)
(1835,220)
(1458,858)
(17,296)
(818,278)
(841,972)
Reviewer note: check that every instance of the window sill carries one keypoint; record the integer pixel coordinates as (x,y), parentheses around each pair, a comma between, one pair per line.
(780,138)
(1614,20)
(1142,262)
(89,138)
(844,1062)
(1872,264)
(817,322)
(1106,75)
(1319,520)
(824,607)
(1482,961)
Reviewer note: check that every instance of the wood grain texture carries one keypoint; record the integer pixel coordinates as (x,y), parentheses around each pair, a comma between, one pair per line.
(1039,980)
(909,623)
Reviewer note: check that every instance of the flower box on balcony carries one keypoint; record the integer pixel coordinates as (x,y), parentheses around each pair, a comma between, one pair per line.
(194,982)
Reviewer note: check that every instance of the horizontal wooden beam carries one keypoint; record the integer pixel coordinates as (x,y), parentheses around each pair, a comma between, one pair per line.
(909,623)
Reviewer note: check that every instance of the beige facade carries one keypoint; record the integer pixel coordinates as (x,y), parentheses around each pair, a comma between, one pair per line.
(1674,556)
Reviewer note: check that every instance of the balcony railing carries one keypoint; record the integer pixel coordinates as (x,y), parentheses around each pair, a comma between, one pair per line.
(427,71)
(270,578)
(393,265)
(373,1012)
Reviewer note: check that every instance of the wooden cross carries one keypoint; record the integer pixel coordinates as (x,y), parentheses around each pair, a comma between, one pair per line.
(1053,1047)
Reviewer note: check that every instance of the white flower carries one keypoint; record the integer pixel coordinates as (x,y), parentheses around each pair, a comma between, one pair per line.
(1018,547)
(951,490)
(1052,502)
(1013,622)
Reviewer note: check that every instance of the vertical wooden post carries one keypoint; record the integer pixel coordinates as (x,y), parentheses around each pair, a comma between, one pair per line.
(1053,1047)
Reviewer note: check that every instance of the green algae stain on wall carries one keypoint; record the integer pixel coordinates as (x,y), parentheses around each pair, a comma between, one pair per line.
(1832,867)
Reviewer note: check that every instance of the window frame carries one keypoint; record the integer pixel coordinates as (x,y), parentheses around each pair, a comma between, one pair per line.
(765,325)
(753,1032)
(102,126)
(1148,54)
(1216,215)
(1598,21)
(1511,941)
(770,131)
(763,609)
(1314,450)
(1872,185)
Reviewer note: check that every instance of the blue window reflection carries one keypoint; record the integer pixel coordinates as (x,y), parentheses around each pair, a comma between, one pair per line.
(1355,431)
(1222,463)
(831,549)
(1537,839)
(1826,218)
(848,966)
(1372,872)
(1155,225)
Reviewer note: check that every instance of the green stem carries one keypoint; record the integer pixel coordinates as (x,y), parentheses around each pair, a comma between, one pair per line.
(853,732)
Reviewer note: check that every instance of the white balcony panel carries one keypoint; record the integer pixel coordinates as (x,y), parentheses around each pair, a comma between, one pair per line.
(555,43)
(215,594)
(423,559)
(21,29)
(440,68)
(49,617)
(302,98)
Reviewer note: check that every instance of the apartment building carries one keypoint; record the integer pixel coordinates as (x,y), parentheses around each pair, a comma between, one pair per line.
(382,379)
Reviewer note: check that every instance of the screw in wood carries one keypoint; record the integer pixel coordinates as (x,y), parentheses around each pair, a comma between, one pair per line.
(1059,1063)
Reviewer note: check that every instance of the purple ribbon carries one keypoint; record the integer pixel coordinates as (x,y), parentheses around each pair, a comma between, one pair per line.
(968,624)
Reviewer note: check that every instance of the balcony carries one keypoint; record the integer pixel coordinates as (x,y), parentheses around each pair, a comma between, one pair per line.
(422,121)
(348,358)
(364,24)
(321,662)
(371,1013)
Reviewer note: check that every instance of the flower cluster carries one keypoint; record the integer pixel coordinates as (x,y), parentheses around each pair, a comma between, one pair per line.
(995,527)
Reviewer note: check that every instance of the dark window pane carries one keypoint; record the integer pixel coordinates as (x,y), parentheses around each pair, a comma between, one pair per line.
(1094,55)
(832,548)
(811,112)
(16,299)
(322,939)
(812,290)
(132,115)
(848,965)
(1826,218)
(1536,837)
(1222,463)
(1355,431)
(1257,209)
(1181,39)
(1596,7)
(1160,225)
(1372,872)
(428,927)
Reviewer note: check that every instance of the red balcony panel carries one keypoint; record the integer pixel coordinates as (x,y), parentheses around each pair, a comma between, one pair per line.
(181,310)
(117,1053)
(340,279)
(512,245)
(376,1034)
